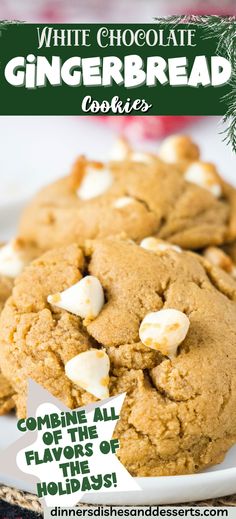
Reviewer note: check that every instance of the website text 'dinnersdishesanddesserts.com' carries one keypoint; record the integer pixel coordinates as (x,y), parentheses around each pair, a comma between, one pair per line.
(149,511)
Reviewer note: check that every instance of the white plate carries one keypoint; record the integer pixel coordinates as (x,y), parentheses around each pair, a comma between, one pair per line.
(74,136)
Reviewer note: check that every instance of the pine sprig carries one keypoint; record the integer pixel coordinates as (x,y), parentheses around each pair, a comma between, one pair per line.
(185,19)
(5,23)
(229,118)
(230,132)
(223,29)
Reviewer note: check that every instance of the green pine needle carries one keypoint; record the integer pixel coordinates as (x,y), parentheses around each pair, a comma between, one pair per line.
(223,28)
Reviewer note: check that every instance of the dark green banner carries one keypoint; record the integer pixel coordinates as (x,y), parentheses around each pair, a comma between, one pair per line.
(161,68)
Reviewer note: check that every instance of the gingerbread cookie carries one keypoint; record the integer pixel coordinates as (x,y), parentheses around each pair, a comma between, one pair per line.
(6,396)
(14,256)
(6,284)
(230,249)
(85,324)
(140,194)
(6,392)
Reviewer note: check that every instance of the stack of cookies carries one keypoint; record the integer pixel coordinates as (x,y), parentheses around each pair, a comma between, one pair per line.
(124,282)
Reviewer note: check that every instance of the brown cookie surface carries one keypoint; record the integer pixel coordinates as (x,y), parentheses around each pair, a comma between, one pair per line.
(6,285)
(179,414)
(6,396)
(137,198)
(6,392)
(230,249)
(17,254)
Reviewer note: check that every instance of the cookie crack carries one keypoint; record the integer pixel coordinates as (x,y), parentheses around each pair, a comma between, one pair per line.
(141,201)
(150,210)
(209,271)
(183,222)
(167,395)
(226,399)
(164,393)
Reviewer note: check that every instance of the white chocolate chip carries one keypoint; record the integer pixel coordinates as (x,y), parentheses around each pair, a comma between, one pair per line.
(204,174)
(164,330)
(123,202)
(155,245)
(177,148)
(85,298)
(220,259)
(90,371)
(146,158)
(95,182)
(12,261)
(121,150)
